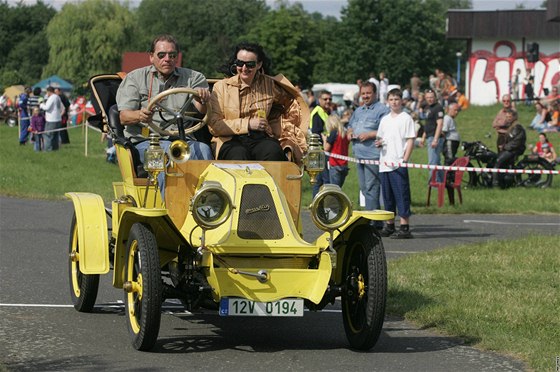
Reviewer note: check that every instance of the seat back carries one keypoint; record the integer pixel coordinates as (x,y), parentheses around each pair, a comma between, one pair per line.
(104,88)
(458,174)
(114,121)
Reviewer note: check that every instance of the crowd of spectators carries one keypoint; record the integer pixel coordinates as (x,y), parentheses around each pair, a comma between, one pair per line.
(42,123)
(547,112)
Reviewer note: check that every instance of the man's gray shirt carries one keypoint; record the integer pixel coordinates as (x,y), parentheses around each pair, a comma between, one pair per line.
(143,84)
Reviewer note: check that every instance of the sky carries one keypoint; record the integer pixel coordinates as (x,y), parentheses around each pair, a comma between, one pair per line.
(333,7)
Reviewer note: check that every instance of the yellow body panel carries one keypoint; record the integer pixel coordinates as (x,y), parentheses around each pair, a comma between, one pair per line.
(93,239)
(225,240)
(283,283)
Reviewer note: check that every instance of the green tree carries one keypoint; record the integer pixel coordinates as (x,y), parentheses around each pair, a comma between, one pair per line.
(351,52)
(23,42)
(291,38)
(398,37)
(206,30)
(88,38)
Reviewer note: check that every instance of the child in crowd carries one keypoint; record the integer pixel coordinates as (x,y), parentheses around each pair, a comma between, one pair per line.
(37,127)
(540,146)
(547,153)
(336,143)
(395,137)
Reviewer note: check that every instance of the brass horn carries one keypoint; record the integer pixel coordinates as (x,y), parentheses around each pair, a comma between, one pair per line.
(179,151)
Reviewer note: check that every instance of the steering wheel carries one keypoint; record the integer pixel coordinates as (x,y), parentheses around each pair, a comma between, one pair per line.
(177,115)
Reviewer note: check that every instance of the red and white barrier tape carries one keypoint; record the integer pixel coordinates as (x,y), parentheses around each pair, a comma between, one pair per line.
(59,129)
(445,167)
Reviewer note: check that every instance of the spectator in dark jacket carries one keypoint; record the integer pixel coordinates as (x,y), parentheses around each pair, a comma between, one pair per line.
(514,145)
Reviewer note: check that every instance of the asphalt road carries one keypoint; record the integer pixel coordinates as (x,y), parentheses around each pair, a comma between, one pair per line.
(40,330)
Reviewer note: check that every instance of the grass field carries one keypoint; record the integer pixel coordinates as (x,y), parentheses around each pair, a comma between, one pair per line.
(500,296)
(49,175)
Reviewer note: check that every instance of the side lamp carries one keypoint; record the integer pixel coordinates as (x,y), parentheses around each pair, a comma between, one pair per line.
(315,160)
(154,163)
(154,157)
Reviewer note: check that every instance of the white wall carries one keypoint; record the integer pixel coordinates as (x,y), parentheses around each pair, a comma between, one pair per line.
(493,62)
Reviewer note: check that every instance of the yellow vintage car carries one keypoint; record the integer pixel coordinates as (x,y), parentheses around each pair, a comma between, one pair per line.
(228,237)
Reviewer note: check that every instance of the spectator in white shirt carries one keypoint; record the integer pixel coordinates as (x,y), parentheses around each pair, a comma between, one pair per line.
(53,117)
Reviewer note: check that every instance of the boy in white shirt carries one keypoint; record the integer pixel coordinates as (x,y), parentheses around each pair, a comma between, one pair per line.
(395,137)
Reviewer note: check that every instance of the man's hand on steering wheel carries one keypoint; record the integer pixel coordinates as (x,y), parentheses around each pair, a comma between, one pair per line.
(145,115)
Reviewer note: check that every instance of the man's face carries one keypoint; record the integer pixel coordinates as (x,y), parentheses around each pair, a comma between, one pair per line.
(430,98)
(395,102)
(164,57)
(506,101)
(325,101)
(366,92)
(453,110)
(509,118)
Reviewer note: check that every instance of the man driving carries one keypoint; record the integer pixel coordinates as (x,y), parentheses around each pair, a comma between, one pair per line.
(143,84)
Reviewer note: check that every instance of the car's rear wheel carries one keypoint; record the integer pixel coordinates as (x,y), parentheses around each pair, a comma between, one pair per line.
(365,288)
(143,288)
(83,287)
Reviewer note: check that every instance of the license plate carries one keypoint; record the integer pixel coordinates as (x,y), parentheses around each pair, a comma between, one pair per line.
(230,306)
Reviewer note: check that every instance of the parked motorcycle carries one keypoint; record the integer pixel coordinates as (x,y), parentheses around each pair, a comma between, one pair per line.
(483,157)
(9,115)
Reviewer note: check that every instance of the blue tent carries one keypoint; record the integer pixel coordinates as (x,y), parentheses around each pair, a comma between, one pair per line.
(54,81)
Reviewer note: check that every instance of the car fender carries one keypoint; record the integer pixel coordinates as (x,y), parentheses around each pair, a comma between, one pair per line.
(168,237)
(341,235)
(93,238)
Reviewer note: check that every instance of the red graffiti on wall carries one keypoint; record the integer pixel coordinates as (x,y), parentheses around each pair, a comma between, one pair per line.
(492,59)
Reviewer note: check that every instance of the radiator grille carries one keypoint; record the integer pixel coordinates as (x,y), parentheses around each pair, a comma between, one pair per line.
(257,215)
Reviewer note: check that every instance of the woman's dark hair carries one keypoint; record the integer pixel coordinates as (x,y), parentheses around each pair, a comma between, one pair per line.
(250,47)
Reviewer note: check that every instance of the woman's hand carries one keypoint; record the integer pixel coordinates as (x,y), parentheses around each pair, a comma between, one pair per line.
(258,124)
(203,95)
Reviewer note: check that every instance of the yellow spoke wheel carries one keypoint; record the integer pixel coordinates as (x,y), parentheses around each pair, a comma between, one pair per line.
(143,296)
(83,287)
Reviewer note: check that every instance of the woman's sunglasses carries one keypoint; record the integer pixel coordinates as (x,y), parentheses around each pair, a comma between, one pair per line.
(250,64)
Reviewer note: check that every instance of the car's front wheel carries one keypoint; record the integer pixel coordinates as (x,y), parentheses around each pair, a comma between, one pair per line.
(83,287)
(143,292)
(365,288)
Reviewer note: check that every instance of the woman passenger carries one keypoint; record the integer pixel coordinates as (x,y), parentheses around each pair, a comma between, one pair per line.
(252,111)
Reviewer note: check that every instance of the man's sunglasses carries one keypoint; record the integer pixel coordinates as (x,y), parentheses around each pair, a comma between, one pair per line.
(172,55)
(250,64)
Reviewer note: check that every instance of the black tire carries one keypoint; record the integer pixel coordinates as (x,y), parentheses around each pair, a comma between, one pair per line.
(143,303)
(363,311)
(534,180)
(83,288)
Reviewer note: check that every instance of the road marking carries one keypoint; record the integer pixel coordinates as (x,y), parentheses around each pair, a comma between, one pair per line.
(513,223)
(115,305)
(119,305)
(34,305)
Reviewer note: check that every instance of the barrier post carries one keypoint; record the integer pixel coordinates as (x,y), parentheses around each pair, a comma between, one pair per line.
(84,123)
